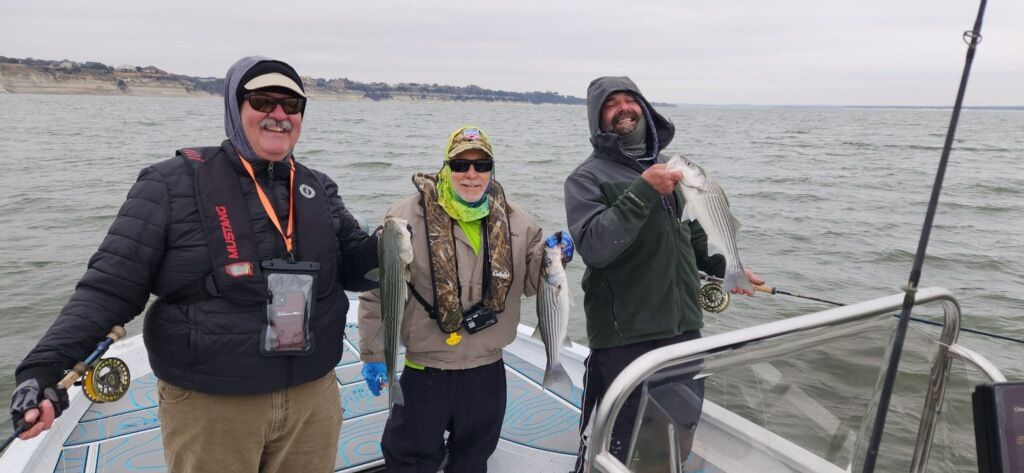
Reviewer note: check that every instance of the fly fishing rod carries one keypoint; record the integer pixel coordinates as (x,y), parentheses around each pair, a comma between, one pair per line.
(715,299)
(971,38)
(106,379)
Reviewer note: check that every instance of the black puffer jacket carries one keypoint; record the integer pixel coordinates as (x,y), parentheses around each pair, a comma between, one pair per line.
(157,245)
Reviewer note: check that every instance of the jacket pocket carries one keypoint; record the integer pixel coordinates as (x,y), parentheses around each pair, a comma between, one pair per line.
(611,311)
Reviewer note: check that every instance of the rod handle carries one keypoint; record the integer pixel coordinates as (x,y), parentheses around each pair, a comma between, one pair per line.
(116,333)
(764,288)
(81,368)
(77,372)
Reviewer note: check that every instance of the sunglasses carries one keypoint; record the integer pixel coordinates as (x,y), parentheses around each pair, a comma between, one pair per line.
(265,104)
(462,165)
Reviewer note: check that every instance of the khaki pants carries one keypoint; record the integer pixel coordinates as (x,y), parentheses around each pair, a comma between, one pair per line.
(292,430)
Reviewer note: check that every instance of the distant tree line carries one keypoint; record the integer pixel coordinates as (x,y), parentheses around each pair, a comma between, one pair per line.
(382,91)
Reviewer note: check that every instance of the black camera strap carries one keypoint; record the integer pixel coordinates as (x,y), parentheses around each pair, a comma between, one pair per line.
(431,310)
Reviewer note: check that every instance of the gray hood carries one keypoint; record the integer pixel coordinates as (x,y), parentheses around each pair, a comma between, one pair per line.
(660,129)
(232,116)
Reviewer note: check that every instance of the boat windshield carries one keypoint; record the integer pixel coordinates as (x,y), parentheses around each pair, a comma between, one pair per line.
(802,401)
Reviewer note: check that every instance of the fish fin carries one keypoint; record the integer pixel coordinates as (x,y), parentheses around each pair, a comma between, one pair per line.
(555,375)
(688,214)
(568,292)
(536,332)
(566,342)
(735,223)
(373,275)
(737,277)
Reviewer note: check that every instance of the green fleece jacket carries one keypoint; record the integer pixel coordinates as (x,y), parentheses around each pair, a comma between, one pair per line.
(641,280)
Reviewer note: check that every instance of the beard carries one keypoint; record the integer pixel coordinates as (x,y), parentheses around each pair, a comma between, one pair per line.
(624,128)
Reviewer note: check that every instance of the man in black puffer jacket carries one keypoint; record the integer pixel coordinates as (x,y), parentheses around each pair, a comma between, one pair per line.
(248,252)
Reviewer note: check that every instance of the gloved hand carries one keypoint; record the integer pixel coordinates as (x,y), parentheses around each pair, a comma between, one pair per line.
(375,374)
(29,406)
(564,240)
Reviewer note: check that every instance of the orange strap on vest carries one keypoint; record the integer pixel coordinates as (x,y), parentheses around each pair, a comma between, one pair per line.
(287,236)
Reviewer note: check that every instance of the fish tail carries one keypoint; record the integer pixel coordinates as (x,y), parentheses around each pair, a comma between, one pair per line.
(735,277)
(395,393)
(555,374)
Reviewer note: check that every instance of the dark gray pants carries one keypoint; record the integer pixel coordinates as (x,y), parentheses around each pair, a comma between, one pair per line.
(469,404)
(602,367)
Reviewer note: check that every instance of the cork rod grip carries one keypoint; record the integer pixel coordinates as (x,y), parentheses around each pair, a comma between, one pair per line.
(116,333)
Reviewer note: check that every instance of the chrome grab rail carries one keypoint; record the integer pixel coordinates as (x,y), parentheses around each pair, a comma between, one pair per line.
(602,460)
(980,362)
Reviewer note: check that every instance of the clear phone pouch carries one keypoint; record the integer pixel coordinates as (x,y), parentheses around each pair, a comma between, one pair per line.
(291,298)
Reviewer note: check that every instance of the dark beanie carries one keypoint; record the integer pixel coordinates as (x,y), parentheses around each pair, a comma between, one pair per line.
(269,67)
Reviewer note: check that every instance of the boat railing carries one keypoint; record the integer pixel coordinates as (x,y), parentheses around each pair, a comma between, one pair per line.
(738,348)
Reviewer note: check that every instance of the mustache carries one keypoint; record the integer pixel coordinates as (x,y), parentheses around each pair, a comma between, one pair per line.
(268,122)
(625,114)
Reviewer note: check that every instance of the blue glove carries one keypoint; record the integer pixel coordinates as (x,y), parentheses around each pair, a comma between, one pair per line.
(564,240)
(375,374)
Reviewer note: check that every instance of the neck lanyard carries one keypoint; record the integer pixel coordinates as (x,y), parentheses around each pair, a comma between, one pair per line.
(287,236)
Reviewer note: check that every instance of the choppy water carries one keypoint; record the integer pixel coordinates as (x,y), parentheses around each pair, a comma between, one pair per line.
(831,200)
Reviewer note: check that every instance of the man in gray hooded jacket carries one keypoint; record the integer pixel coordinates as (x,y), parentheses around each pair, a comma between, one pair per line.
(641,282)
(242,341)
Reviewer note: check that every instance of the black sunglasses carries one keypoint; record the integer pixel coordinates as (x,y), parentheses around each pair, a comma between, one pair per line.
(265,104)
(462,165)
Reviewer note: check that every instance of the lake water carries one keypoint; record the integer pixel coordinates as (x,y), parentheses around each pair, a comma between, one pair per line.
(831,200)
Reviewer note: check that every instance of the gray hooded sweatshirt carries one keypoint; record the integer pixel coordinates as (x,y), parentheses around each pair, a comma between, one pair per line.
(641,280)
(232,115)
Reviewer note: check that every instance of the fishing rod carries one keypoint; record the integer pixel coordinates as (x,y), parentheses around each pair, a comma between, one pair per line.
(972,38)
(765,289)
(105,379)
(719,293)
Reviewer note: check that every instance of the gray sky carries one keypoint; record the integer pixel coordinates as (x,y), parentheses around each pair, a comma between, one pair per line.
(907,52)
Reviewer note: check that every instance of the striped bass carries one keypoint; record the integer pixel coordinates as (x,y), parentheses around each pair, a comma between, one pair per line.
(706,203)
(395,253)
(553,301)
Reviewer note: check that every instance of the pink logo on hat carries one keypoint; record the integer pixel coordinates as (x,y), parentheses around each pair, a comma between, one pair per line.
(471,134)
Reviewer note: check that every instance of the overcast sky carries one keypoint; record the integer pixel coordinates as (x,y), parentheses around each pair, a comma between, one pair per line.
(906,52)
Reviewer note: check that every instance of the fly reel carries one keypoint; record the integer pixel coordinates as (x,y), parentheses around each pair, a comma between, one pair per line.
(713,298)
(107,380)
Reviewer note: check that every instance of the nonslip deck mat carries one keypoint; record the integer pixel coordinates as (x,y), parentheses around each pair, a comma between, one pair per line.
(124,436)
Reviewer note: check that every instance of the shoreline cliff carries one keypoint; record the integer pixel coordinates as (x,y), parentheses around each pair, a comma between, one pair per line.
(36,76)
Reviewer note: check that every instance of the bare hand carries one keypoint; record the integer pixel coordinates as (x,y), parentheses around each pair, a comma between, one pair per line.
(661,179)
(39,421)
(754,279)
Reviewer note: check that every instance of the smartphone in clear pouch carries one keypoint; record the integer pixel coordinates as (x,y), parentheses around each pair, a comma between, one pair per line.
(292,293)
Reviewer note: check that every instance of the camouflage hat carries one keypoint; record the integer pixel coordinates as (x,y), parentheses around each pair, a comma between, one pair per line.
(469,138)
